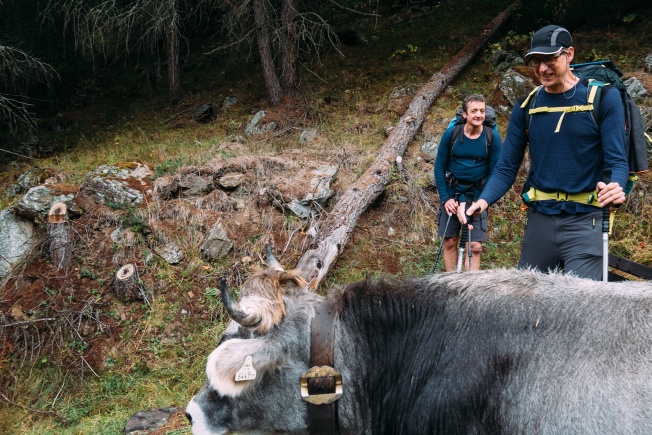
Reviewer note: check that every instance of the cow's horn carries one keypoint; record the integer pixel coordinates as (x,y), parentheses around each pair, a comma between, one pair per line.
(234,310)
(272,262)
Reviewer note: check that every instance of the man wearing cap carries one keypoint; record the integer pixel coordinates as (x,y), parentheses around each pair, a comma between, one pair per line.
(570,152)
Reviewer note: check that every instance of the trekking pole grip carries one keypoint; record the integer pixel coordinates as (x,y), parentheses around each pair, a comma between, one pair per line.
(606,179)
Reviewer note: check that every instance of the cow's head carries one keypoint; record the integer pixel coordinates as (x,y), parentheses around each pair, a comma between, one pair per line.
(253,374)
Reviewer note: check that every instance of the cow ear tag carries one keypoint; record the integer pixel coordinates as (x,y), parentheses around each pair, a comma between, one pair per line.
(247,371)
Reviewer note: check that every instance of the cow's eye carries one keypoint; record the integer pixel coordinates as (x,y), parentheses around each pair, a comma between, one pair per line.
(189,417)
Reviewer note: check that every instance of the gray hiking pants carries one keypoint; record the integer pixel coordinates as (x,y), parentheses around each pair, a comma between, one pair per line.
(568,242)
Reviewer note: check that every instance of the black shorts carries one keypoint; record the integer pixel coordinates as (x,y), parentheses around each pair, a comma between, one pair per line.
(477,234)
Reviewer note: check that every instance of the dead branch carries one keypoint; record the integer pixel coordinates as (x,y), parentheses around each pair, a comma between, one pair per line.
(64,423)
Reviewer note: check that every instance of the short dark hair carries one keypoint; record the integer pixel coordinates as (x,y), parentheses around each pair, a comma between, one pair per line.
(473,97)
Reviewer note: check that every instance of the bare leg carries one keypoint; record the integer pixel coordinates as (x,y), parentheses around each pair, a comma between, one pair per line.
(476,249)
(450,253)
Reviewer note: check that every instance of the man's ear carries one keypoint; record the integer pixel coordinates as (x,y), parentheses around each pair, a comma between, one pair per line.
(570,54)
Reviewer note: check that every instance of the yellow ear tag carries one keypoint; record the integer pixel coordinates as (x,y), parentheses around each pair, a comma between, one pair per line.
(247,371)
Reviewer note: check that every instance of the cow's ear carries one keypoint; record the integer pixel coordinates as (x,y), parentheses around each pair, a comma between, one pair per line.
(292,276)
(237,364)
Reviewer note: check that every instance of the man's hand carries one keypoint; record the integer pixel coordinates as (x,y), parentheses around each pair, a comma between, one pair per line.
(460,212)
(461,215)
(610,193)
(451,206)
(477,207)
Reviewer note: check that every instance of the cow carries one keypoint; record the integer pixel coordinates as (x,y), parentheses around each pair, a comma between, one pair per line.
(499,351)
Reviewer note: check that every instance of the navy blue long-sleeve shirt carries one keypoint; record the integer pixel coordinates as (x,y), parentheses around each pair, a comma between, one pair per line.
(571,160)
(470,162)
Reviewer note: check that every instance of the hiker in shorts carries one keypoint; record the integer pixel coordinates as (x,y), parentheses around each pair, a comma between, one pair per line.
(462,168)
(570,154)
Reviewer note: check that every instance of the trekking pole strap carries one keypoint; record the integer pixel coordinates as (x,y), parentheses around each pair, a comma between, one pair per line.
(534,194)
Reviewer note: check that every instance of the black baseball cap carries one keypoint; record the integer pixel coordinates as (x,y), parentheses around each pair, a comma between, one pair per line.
(550,40)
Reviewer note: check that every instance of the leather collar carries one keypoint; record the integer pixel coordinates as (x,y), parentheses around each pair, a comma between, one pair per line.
(323,383)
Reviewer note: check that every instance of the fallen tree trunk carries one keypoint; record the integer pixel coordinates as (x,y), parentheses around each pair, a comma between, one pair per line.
(335,231)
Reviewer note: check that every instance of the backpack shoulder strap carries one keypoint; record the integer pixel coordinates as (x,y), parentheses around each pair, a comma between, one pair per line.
(595,95)
(528,103)
(457,130)
(531,97)
(489,138)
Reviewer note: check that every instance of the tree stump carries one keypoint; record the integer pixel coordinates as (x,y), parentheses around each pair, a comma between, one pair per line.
(59,235)
(126,284)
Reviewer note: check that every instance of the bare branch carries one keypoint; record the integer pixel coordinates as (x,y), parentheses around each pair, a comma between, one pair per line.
(46,319)
(353,10)
(63,421)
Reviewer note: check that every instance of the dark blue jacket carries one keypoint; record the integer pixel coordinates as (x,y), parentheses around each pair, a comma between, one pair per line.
(469,162)
(571,160)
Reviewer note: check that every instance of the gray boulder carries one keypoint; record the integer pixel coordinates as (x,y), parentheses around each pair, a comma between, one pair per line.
(515,86)
(191,184)
(170,252)
(635,88)
(217,244)
(36,203)
(110,191)
(231,180)
(648,64)
(308,135)
(317,190)
(429,149)
(256,126)
(146,422)
(16,239)
(109,184)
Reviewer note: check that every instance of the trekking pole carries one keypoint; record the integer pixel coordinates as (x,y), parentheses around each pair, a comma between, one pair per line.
(463,239)
(606,179)
(469,220)
(441,245)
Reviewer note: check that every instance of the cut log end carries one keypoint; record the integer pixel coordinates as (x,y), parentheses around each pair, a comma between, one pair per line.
(125,272)
(58,213)
(126,285)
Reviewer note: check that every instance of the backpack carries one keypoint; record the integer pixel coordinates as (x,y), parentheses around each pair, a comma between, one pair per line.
(457,124)
(602,76)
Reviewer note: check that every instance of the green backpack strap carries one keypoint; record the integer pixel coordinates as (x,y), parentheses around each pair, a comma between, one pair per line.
(593,102)
(595,97)
(527,104)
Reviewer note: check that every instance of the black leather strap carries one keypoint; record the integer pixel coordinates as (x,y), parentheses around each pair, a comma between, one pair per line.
(322,419)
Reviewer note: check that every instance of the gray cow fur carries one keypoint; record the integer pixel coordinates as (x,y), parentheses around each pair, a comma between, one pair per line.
(488,352)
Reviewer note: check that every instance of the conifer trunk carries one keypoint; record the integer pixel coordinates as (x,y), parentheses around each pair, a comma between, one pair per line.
(173,60)
(272,82)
